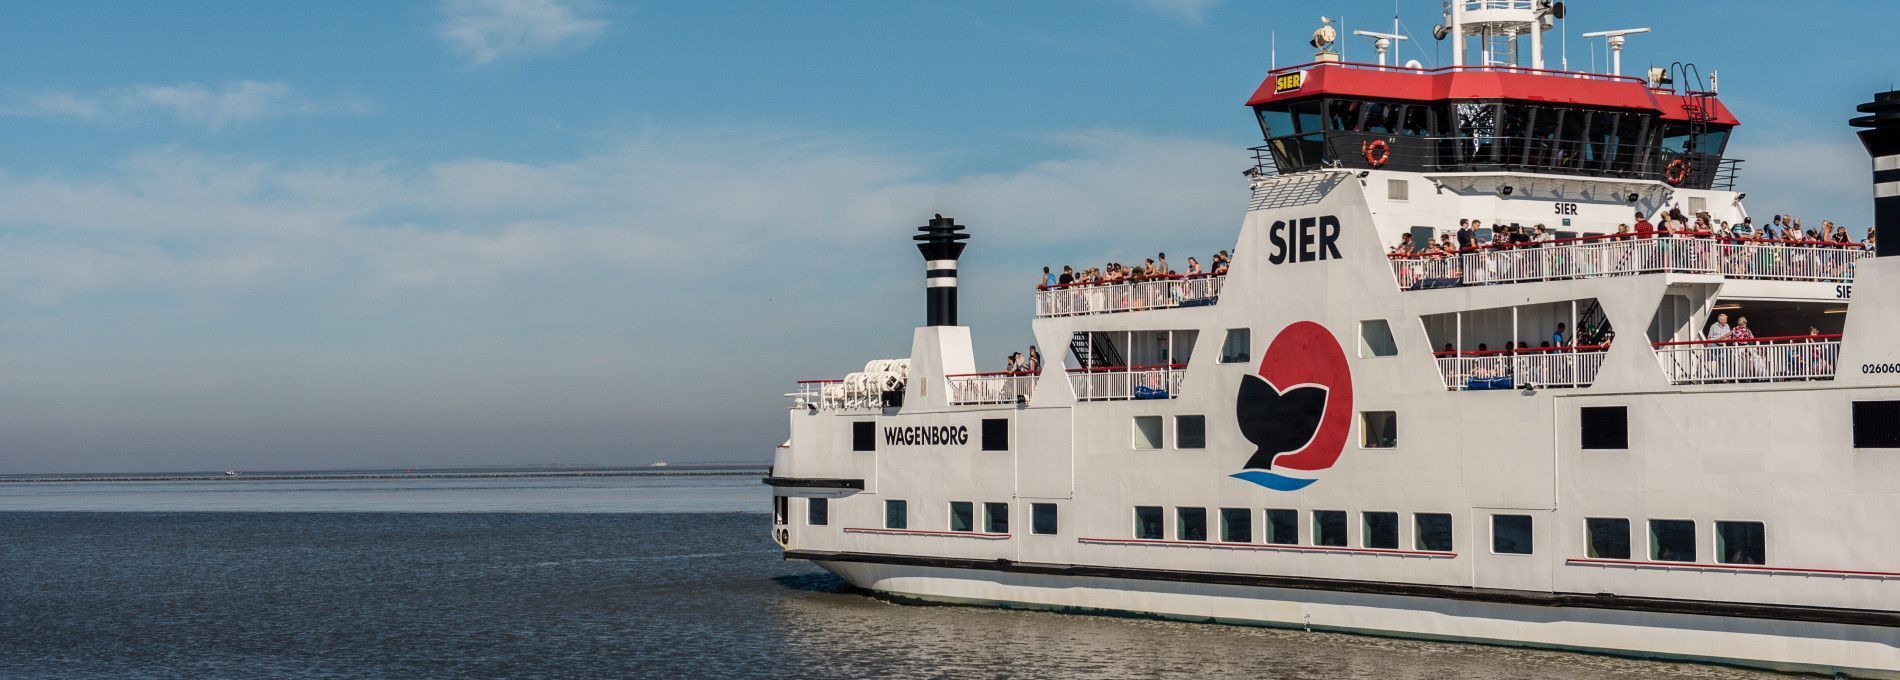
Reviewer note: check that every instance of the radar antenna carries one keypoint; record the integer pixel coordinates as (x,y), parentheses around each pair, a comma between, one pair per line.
(1615,40)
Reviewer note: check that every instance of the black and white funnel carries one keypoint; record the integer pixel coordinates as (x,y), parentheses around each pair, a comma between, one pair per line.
(1881,136)
(941,243)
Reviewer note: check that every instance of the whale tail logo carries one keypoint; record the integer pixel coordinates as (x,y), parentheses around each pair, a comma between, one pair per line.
(1296,411)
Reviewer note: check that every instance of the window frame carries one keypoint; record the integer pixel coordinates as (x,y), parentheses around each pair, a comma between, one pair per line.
(817,511)
(1365,529)
(1366,348)
(1181,514)
(1319,525)
(1160,523)
(1227,515)
(1365,432)
(1227,340)
(1180,418)
(989,517)
(1267,533)
(863,436)
(1655,540)
(1721,541)
(969,508)
(1160,434)
(1035,519)
(1530,534)
(1419,533)
(1589,538)
(984,431)
(902,514)
(1602,441)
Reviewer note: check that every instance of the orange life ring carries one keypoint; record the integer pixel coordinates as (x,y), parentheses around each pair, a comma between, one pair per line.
(1377,152)
(1677,171)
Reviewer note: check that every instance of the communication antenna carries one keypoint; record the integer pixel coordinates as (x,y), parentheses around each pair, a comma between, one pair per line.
(1381,42)
(1615,41)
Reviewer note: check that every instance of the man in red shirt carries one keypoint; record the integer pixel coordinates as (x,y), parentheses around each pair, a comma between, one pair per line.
(1643,228)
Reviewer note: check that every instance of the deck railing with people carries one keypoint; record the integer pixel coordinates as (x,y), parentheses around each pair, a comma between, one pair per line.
(1529,367)
(1001,387)
(1619,254)
(1165,292)
(1110,383)
(1795,357)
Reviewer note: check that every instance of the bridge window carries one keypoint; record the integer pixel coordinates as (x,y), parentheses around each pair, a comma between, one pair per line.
(1148,522)
(1190,432)
(1511,534)
(1672,540)
(864,436)
(1378,429)
(1605,427)
(995,434)
(817,511)
(1042,518)
(1283,527)
(896,515)
(1236,525)
(1609,537)
(1381,530)
(1190,524)
(1877,424)
(1741,543)
(1432,531)
(1236,348)
(1329,528)
(996,518)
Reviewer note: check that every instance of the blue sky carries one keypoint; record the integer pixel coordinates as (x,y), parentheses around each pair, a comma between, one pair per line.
(282,235)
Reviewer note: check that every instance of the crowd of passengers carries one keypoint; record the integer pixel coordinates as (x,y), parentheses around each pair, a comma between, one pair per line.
(1671,223)
(1730,351)
(1153,268)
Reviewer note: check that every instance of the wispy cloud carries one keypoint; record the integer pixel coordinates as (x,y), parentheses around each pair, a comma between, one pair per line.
(214,107)
(483,31)
(1190,11)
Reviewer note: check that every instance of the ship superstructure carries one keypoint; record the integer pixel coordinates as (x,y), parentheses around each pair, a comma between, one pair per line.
(1555,440)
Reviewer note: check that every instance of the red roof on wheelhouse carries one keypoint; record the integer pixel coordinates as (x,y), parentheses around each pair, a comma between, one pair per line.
(1494,82)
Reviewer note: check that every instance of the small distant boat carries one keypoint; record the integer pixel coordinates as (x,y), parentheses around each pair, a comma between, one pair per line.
(230,473)
(659,463)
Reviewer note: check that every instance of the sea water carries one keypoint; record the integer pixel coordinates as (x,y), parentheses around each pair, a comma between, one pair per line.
(662,577)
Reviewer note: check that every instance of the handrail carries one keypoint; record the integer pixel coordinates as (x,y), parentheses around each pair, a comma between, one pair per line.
(1731,341)
(1112,369)
(1157,277)
(990,374)
(1631,236)
(820,380)
(1525,350)
(1476,68)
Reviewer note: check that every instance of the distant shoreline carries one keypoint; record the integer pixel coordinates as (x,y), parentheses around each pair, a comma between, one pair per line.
(681,471)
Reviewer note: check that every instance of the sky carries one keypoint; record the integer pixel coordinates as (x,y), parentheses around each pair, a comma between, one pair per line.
(397,234)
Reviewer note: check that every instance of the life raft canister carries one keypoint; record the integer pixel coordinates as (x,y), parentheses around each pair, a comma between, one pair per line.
(1677,171)
(1377,152)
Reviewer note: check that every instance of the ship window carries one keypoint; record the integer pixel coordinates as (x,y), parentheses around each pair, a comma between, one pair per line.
(1609,537)
(818,511)
(1432,531)
(1236,525)
(896,515)
(1877,424)
(1190,524)
(1275,122)
(1343,114)
(962,516)
(1605,427)
(1381,530)
(1398,190)
(1148,522)
(1042,518)
(996,518)
(1672,540)
(1283,527)
(995,434)
(1147,432)
(1375,339)
(1511,534)
(1190,432)
(1378,429)
(1235,349)
(781,509)
(864,436)
(1741,543)
(1329,528)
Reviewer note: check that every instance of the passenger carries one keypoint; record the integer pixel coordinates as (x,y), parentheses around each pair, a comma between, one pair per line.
(1741,331)
(1405,245)
(1161,265)
(1034,363)
(1048,278)
(1220,262)
(1194,267)
(1467,236)
(1557,338)
(1744,230)
(1067,277)
(1720,329)
(1644,228)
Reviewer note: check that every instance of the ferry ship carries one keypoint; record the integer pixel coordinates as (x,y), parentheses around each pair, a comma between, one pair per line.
(1331,436)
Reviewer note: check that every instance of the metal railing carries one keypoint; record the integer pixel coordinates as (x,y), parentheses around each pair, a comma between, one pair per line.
(831,395)
(1504,369)
(1801,357)
(1102,298)
(1113,383)
(1596,256)
(1003,387)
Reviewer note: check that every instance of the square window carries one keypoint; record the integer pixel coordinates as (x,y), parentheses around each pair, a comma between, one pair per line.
(1375,339)
(962,516)
(1236,525)
(1381,530)
(1741,543)
(1511,534)
(1283,527)
(864,436)
(896,515)
(1147,432)
(996,518)
(817,511)
(1378,429)
(1605,427)
(1672,540)
(1190,524)
(1398,190)
(1609,537)
(1190,432)
(1432,531)
(1042,518)
(1329,528)
(995,434)
(1877,424)
(1148,522)
(1237,348)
